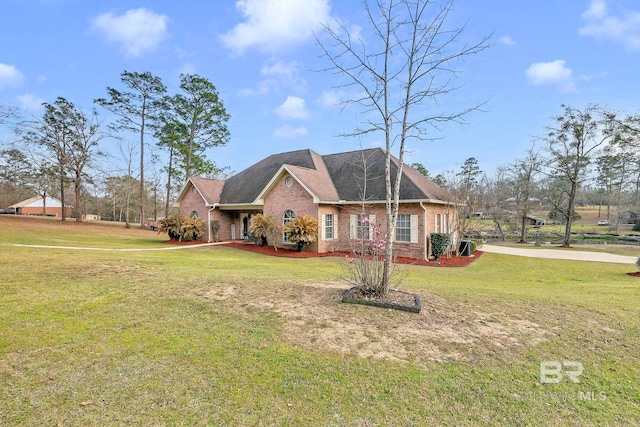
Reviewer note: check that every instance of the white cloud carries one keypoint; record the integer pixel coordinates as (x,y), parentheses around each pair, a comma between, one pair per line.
(600,24)
(597,10)
(506,40)
(330,99)
(551,73)
(137,30)
(288,132)
(591,77)
(288,75)
(279,75)
(30,103)
(187,68)
(275,24)
(265,87)
(293,107)
(10,76)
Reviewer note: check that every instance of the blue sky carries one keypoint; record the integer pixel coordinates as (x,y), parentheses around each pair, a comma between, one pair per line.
(263,59)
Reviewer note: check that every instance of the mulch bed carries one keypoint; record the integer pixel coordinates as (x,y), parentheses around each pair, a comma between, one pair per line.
(634,274)
(454,261)
(184,242)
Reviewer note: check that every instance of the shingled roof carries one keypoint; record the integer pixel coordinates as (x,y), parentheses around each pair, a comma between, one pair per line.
(334,178)
(244,187)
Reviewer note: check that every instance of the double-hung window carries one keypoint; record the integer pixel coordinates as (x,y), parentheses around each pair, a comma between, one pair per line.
(407,228)
(329,227)
(403,228)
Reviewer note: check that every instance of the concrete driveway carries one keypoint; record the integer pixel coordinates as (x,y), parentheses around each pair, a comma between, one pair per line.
(570,254)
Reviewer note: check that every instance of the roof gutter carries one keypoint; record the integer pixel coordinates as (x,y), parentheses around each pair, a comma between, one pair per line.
(373,202)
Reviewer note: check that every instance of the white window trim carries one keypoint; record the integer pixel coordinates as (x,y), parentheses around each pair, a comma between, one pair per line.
(324,227)
(413,230)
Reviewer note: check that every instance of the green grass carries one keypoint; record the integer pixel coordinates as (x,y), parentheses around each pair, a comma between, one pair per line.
(205,336)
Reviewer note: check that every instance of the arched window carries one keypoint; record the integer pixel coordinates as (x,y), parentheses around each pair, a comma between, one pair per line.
(194,214)
(287,217)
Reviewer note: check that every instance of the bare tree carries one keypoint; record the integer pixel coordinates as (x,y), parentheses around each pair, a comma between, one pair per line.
(82,151)
(127,150)
(7,114)
(572,143)
(523,174)
(408,63)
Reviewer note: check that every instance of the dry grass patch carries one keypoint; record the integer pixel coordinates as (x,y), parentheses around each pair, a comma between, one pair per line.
(315,319)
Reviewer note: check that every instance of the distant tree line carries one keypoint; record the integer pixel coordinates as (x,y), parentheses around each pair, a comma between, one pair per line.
(587,156)
(63,153)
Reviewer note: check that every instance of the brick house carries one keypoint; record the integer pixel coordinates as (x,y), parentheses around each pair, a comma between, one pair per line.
(330,188)
(49,206)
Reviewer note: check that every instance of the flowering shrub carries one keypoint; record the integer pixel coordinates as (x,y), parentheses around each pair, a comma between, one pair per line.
(365,263)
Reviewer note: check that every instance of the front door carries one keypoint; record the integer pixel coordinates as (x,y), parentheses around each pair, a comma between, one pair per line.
(245,227)
(245,220)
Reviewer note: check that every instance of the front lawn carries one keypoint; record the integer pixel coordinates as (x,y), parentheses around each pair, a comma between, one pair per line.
(220,336)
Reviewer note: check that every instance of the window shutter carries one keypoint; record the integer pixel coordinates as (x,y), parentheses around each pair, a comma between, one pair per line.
(372,220)
(353,226)
(414,228)
(335,226)
(323,222)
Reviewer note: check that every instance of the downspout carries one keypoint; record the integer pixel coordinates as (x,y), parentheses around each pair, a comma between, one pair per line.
(209,224)
(426,253)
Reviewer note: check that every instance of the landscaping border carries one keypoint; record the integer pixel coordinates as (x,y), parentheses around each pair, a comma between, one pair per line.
(349,298)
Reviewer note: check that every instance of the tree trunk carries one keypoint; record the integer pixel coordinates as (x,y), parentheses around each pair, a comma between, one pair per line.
(127,206)
(569,220)
(64,207)
(169,173)
(142,198)
(523,232)
(189,169)
(77,188)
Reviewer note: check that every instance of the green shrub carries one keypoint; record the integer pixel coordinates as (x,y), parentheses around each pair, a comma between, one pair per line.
(439,244)
(474,245)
